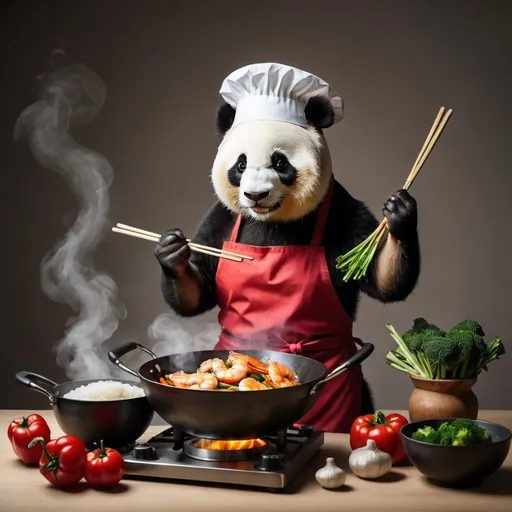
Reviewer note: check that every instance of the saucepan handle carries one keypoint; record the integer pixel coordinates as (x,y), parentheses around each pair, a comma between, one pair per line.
(362,354)
(115,355)
(37,383)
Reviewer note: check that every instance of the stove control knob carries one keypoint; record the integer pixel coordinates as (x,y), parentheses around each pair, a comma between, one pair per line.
(270,461)
(144,451)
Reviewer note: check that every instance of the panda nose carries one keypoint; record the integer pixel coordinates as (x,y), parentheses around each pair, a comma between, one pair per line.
(256,197)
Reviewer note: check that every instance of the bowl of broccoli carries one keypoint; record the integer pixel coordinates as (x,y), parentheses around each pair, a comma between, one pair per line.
(456,452)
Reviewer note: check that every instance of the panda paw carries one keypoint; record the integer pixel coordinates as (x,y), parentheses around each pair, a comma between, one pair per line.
(401,213)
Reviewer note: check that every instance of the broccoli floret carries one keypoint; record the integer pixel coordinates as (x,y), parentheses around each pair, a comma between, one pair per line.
(444,427)
(419,324)
(481,435)
(459,432)
(471,346)
(467,432)
(442,354)
(463,437)
(427,435)
(446,439)
(466,341)
(480,344)
(420,331)
(461,423)
(413,340)
(469,326)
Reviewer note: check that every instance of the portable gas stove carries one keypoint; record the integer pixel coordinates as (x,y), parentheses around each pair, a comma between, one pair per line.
(271,462)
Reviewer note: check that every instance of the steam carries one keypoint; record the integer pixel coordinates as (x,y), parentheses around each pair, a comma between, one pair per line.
(183,336)
(73,96)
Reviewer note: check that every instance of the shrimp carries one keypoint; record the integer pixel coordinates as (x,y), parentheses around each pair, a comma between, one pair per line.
(237,371)
(250,384)
(212,366)
(253,365)
(281,376)
(193,380)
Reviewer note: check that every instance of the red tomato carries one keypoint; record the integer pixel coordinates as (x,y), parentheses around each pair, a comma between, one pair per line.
(62,461)
(22,430)
(384,430)
(104,468)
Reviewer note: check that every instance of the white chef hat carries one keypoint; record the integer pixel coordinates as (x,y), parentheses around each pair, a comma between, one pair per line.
(275,92)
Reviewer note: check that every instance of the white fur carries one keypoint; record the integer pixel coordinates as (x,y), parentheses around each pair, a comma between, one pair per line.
(306,150)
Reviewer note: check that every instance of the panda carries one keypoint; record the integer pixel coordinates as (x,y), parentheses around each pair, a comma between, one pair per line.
(276,193)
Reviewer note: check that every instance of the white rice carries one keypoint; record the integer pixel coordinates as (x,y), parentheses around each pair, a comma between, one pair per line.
(105,390)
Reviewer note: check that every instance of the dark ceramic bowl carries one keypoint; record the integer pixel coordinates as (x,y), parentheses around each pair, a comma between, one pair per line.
(457,466)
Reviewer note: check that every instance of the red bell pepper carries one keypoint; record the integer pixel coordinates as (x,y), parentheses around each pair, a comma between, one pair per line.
(22,430)
(104,468)
(384,430)
(62,461)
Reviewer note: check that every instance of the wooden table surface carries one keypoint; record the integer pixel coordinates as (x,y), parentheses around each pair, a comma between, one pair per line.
(25,489)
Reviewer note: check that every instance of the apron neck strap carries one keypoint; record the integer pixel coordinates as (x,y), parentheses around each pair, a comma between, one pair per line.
(321,219)
(323,213)
(236,229)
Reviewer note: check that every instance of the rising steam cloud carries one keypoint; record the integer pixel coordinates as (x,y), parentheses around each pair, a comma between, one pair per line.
(68,97)
(171,335)
(73,96)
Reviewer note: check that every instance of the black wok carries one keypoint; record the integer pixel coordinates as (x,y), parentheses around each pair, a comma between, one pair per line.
(118,423)
(235,415)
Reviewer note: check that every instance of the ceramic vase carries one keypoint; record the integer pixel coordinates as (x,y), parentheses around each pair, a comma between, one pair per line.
(438,398)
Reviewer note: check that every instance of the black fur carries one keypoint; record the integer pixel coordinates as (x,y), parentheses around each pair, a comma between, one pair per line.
(236,171)
(349,223)
(319,112)
(224,118)
(285,170)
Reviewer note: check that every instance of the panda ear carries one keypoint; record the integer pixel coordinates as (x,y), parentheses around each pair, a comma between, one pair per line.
(319,112)
(225,117)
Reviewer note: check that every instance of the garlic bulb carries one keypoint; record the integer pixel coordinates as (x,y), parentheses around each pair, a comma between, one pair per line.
(369,462)
(331,476)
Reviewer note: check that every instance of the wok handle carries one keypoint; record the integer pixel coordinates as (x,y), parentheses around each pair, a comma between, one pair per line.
(117,353)
(363,353)
(37,383)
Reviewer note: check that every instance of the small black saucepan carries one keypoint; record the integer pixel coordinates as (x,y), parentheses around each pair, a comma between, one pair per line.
(232,415)
(118,423)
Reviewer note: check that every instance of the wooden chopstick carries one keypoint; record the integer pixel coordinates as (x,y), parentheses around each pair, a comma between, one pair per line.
(154,237)
(428,145)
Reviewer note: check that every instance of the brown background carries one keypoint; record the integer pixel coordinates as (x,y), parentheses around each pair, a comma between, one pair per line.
(394,62)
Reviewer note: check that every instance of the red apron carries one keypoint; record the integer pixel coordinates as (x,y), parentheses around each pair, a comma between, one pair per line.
(284,300)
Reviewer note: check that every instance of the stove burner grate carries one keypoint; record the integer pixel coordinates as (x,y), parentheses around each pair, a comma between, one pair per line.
(199,449)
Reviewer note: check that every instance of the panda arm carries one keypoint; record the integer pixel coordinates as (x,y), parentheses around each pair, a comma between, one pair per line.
(350,223)
(214,228)
(394,270)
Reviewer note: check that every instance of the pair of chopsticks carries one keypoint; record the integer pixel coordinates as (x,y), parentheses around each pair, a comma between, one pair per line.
(437,128)
(155,237)
(434,134)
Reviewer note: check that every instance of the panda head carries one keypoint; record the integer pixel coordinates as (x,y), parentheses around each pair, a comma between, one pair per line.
(271,169)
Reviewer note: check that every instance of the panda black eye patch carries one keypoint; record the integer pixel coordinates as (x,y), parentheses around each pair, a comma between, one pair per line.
(285,170)
(236,171)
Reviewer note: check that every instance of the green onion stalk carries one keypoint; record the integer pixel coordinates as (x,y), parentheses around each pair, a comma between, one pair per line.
(354,264)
